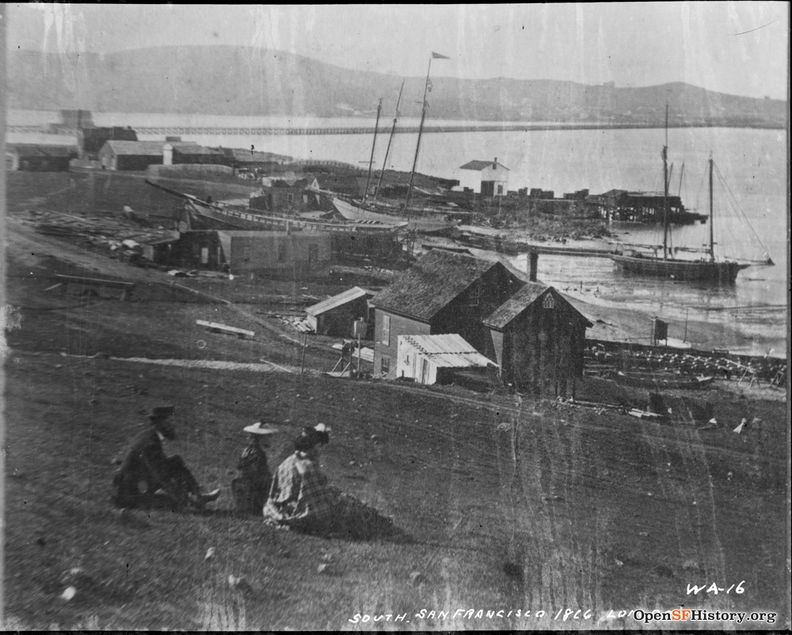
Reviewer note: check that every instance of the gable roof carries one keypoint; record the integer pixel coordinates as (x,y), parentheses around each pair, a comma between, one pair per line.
(135,148)
(431,284)
(337,300)
(480,165)
(521,300)
(41,150)
(449,350)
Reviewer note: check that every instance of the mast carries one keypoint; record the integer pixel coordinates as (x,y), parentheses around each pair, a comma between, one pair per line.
(665,189)
(373,145)
(420,132)
(390,139)
(681,176)
(711,231)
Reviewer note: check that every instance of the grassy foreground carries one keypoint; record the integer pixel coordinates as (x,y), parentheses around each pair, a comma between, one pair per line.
(497,504)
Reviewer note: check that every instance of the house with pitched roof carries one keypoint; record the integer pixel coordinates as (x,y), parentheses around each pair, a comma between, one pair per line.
(537,338)
(443,292)
(488,178)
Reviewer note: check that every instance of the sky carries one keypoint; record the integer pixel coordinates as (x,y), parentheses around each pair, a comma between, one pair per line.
(740,48)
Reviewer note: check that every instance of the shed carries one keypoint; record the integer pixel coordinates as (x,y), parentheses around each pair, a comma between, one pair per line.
(91,139)
(488,178)
(430,359)
(254,159)
(335,315)
(538,340)
(186,152)
(273,251)
(39,158)
(130,155)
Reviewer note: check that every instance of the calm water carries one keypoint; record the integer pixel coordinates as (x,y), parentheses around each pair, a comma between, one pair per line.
(752,163)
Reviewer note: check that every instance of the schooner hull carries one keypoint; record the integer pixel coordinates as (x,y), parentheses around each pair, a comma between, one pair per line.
(421,224)
(721,272)
(215,217)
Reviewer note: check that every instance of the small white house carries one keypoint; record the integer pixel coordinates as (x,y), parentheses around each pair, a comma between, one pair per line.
(430,359)
(488,178)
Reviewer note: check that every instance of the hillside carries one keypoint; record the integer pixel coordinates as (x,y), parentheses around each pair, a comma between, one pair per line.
(250,81)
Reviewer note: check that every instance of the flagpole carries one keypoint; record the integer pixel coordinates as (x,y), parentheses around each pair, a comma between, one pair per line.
(420,132)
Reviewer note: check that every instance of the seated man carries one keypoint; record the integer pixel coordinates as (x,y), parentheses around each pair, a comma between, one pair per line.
(299,497)
(146,469)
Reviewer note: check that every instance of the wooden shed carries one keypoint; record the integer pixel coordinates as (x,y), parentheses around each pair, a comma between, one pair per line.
(335,315)
(538,339)
(434,359)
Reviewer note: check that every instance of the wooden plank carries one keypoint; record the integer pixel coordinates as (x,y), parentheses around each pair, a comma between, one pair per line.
(224,328)
(95,281)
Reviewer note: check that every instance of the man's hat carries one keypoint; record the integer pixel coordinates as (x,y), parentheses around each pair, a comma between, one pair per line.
(320,427)
(261,428)
(161,412)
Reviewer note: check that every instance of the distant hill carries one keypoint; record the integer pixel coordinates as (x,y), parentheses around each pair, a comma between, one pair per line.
(250,81)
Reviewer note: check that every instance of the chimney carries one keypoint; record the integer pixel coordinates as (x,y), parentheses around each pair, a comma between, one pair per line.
(533,264)
(495,163)
(167,154)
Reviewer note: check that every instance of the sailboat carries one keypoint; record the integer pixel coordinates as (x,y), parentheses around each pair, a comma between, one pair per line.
(705,269)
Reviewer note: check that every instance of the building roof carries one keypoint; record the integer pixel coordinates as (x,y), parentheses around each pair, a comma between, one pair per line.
(135,148)
(37,150)
(337,300)
(521,300)
(431,284)
(447,351)
(255,156)
(190,147)
(480,165)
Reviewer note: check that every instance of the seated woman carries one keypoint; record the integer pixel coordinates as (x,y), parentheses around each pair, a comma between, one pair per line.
(299,497)
(251,488)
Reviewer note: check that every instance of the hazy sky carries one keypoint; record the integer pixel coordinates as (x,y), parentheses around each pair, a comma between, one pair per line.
(733,47)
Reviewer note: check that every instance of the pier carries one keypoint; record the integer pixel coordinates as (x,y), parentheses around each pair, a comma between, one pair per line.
(265,131)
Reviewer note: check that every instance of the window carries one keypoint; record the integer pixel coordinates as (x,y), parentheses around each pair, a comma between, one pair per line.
(474,296)
(385,365)
(548,302)
(385,335)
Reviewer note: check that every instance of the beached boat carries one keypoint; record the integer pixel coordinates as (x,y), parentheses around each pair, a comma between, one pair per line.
(217,215)
(706,268)
(660,380)
(422,224)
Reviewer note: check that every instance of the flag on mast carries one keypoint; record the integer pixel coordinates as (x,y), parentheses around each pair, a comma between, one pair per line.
(437,56)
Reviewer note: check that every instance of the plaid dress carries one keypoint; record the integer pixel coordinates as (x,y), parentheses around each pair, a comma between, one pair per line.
(299,496)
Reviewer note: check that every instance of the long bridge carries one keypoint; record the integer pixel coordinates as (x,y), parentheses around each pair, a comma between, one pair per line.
(264,131)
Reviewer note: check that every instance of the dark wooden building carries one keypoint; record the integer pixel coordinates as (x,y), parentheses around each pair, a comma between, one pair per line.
(538,338)
(130,155)
(280,195)
(194,154)
(90,140)
(39,158)
(442,292)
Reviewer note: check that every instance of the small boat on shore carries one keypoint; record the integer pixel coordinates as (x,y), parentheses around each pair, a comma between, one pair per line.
(660,380)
